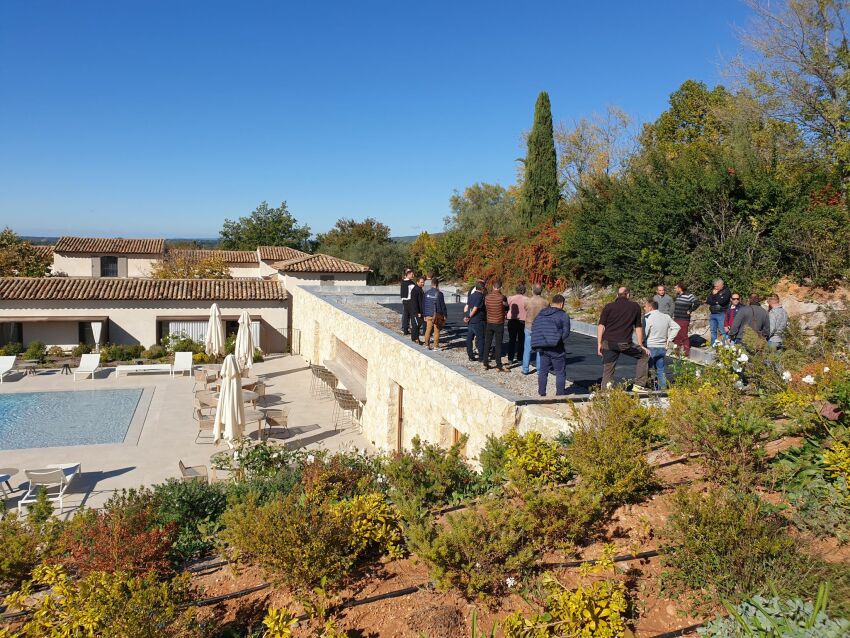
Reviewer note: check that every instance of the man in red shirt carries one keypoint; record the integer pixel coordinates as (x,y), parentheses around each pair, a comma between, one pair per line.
(621,319)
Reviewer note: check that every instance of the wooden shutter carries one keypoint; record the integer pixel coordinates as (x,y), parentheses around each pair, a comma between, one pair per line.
(95,266)
(352,360)
(122,266)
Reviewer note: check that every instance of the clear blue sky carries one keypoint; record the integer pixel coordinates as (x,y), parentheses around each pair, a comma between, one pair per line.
(152,118)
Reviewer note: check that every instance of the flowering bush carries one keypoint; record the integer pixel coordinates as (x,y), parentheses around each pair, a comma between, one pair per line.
(524,458)
(257,459)
(375,525)
(837,462)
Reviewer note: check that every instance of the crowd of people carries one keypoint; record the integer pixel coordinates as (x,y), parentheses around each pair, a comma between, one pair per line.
(539,329)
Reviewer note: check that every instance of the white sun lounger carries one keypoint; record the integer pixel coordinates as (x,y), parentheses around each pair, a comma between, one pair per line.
(89,364)
(54,479)
(7,366)
(182,363)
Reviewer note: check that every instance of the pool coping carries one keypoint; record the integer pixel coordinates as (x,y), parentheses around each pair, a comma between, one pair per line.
(140,416)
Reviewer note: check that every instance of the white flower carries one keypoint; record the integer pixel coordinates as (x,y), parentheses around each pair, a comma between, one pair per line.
(808,379)
(510,581)
(786,375)
(698,374)
(381,478)
(310,458)
(737,368)
(477,565)
(739,384)
(825,369)
(743,358)
(718,343)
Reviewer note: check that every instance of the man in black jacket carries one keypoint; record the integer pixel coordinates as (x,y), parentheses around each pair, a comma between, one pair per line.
(417,309)
(407,285)
(718,303)
(754,317)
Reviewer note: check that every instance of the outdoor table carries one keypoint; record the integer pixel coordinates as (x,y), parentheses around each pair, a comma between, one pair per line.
(7,473)
(248,396)
(66,369)
(28,366)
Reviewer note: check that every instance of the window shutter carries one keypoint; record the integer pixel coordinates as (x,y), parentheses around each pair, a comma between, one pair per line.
(95,266)
(122,266)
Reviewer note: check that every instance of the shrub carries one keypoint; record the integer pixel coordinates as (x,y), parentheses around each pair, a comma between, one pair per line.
(836,460)
(194,508)
(12,348)
(375,526)
(725,430)
(154,352)
(25,543)
(607,455)
(108,605)
(339,476)
(479,549)
(124,536)
(562,517)
(258,459)
(616,404)
(529,458)
(36,351)
(181,343)
(80,349)
(201,357)
(55,352)
(279,623)
(118,352)
(258,356)
(724,543)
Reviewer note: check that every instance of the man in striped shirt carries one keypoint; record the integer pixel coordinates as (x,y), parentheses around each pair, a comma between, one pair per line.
(684,305)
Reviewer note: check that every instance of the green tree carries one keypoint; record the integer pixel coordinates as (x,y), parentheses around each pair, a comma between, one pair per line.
(540,190)
(19,258)
(482,208)
(348,231)
(265,226)
(367,242)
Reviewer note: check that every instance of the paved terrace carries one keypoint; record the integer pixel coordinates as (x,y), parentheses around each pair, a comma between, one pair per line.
(165,431)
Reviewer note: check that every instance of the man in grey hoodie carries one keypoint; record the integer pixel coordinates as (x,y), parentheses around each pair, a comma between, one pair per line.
(752,316)
(778,322)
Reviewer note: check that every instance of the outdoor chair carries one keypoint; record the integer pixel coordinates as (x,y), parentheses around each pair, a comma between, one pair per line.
(346,408)
(277,418)
(89,364)
(205,421)
(53,479)
(7,366)
(204,378)
(194,472)
(260,389)
(182,363)
(315,379)
(328,383)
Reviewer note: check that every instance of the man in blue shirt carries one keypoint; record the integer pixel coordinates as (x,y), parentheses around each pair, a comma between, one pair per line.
(548,337)
(435,312)
(475,321)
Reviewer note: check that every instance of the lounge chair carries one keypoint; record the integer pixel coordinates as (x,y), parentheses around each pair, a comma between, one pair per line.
(182,363)
(54,479)
(7,366)
(89,364)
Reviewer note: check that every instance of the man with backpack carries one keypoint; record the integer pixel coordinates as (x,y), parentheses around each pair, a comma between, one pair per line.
(549,334)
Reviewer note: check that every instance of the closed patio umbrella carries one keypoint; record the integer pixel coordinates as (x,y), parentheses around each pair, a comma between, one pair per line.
(214,344)
(244,342)
(230,411)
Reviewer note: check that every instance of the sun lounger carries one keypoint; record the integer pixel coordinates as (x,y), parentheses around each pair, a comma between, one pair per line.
(89,364)
(143,367)
(54,479)
(7,366)
(182,363)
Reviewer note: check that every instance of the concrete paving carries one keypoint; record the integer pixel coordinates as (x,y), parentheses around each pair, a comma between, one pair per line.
(167,431)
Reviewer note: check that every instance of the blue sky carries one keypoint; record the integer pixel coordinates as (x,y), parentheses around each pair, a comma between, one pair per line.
(156,118)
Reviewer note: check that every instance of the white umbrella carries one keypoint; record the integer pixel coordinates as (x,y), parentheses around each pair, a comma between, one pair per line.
(214,344)
(230,411)
(244,342)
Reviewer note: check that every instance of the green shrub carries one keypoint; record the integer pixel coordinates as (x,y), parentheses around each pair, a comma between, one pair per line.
(375,526)
(80,349)
(608,456)
(25,542)
(258,356)
(201,357)
(561,516)
(55,352)
(154,352)
(724,544)
(342,475)
(36,351)
(524,458)
(258,459)
(118,352)
(479,549)
(195,509)
(615,404)
(181,343)
(230,344)
(13,348)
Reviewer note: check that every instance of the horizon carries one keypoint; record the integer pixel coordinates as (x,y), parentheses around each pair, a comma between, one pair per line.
(165,120)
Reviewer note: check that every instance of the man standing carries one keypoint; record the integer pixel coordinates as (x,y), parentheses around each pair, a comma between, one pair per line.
(718,303)
(435,312)
(496,306)
(660,329)
(475,321)
(417,309)
(516,324)
(752,316)
(778,320)
(548,336)
(533,306)
(407,285)
(684,305)
(665,302)
(734,307)
(619,320)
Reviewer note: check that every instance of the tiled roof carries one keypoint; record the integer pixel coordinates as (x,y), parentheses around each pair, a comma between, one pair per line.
(47,250)
(229,256)
(69,288)
(319,263)
(115,245)
(279,253)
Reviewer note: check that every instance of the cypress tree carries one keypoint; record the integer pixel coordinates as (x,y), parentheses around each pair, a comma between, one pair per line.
(540,191)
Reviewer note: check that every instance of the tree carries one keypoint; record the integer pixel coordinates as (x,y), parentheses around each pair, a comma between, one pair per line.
(367,242)
(540,191)
(348,231)
(19,258)
(186,267)
(482,208)
(264,227)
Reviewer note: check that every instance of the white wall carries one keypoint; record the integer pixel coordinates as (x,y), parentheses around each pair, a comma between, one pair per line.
(244,271)
(314,279)
(79,264)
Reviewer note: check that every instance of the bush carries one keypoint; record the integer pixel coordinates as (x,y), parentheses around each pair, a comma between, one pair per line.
(616,404)
(108,605)
(339,476)
(55,352)
(81,349)
(258,356)
(154,352)
(36,351)
(258,459)
(724,544)
(25,543)
(479,549)
(117,352)
(201,357)
(13,348)
(562,517)
(181,343)
(607,455)
(195,509)
(375,526)
(524,458)
(727,431)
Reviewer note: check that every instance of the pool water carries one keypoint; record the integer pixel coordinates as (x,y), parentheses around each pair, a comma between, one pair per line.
(52,419)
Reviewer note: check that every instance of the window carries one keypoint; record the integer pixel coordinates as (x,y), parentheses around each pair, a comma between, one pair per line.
(109,266)
(11,332)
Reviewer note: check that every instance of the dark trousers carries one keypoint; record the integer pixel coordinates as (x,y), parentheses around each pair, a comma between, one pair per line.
(416,326)
(552,360)
(612,351)
(516,339)
(406,316)
(493,335)
(475,331)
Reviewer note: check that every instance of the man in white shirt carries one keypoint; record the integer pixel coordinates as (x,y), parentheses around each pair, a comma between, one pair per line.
(659,329)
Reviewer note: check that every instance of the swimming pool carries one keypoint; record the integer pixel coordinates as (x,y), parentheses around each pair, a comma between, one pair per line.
(79,417)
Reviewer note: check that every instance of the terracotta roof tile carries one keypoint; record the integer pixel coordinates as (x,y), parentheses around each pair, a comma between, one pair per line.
(47,250)
(319,263)
(229,256)
(74,288)
(116,245)
(279,253)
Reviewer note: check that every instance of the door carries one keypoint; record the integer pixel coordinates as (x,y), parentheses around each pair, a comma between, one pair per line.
(399,418)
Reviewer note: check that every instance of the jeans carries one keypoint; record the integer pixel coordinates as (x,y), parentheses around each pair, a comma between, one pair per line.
(516,339)
(552,360)
(406,316)
(526,353)
(656,360)
(683,339)
(431,326)
(612,351)
(494,333)
(715,325)
(475,331)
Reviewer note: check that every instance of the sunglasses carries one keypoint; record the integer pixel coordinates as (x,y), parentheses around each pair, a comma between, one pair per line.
(736,299)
